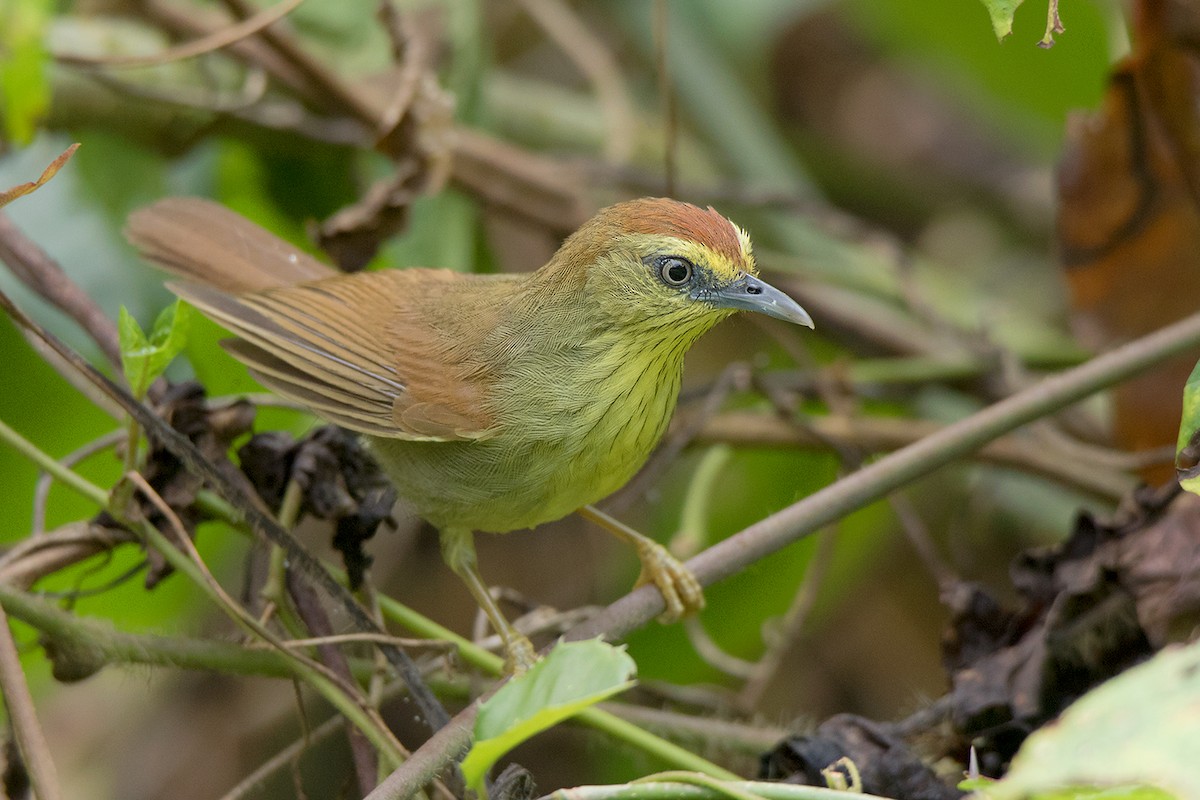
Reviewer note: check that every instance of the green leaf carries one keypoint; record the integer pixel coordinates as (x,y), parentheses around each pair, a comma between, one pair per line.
(572,677)
(1137,731)
(169,335)
(1002,12)
(1188,458)
(133,344)
(145,358)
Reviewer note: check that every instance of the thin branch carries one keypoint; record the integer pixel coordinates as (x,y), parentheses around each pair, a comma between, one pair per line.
(25,724)
(217,40)
(249,785)
(900,468)
(39,272)
(917,533)
(358,638)
(41,489)
(413,48)
(187,21)
(321,80)
(312,614)
(35,557)
(887,433)
(803,601)
(596,62)
(711,653)
(708,732)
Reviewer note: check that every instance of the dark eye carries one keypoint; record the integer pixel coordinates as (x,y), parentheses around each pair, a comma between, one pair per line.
(674,271)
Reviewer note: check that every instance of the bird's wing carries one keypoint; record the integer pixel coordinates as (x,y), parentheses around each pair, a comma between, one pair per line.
(329,345)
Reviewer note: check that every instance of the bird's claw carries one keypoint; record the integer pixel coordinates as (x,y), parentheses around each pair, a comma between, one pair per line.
(680,589)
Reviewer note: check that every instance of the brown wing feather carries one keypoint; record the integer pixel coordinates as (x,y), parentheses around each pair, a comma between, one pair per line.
(207,243)
(381,353)
(326,344)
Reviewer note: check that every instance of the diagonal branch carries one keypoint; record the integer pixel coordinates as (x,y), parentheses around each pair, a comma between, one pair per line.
(29,734)
(40,273)
(901,467)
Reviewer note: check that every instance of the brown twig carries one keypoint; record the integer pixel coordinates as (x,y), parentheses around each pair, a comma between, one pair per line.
(40,273)
(320,80)
(41,489)
(711,653)
(243,100)
(523,184)
(666,93)
(874,434)
(35,557)
(596,62)
(917,533)
(189,22)
(789,630)
(24,719)
(308,607)
(413,48)
(216,40)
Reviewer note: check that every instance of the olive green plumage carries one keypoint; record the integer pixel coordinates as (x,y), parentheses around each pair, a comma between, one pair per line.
(493,402)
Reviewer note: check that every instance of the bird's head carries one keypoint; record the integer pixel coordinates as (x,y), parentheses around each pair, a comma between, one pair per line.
(669,265)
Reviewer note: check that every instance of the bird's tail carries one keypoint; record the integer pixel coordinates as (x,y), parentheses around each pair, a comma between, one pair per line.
(208,244)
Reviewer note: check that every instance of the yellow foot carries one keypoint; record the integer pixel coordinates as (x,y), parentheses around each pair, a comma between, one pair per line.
(519,655)
(681,592)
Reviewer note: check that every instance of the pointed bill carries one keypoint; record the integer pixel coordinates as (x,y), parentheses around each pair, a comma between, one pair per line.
(749,293)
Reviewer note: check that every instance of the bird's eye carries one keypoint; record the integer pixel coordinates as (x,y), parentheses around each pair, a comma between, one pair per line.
(675,271)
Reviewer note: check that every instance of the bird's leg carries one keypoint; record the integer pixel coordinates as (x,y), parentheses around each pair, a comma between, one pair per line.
(458,550)
(681,592)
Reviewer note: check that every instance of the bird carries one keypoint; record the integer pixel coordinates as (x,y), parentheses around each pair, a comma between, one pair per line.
(493,402)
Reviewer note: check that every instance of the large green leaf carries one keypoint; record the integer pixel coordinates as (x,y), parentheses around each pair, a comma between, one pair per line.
(572,677)
(1141,728)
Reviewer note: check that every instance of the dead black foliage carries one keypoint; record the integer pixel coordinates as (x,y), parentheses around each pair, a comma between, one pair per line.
(514,783)
(886,765)
(338,479)
(1114,593)
(184,407)
(15,777)
(1110,596)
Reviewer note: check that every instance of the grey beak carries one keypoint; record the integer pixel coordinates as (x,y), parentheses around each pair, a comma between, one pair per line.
(754,294)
